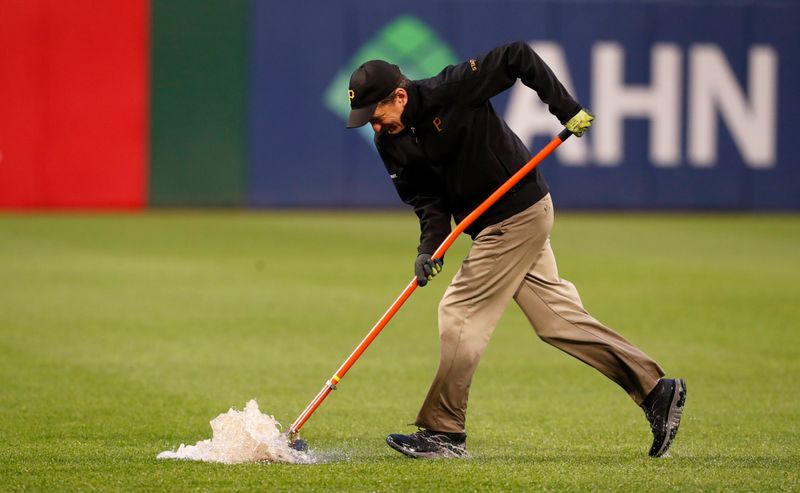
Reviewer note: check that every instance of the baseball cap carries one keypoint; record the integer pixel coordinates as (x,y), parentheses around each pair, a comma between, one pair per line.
(369,85)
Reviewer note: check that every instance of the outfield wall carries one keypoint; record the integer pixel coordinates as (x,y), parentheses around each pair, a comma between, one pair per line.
(242,103)
(73,103)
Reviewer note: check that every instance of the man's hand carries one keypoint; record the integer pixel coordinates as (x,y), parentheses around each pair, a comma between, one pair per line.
(426,269)
(579,123)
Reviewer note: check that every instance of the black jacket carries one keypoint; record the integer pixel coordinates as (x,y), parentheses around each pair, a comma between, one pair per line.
(455,150)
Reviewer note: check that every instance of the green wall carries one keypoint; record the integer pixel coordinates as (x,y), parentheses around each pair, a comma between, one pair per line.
(198,102)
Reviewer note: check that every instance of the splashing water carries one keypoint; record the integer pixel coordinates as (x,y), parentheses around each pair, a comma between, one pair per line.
(242,436)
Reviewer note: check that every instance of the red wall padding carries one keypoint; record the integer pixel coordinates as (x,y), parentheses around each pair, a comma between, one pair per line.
(73,103)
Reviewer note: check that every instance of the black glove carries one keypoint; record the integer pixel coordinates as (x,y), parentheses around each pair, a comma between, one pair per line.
(426,269)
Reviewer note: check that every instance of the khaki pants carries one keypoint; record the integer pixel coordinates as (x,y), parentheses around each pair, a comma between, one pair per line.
(514,259)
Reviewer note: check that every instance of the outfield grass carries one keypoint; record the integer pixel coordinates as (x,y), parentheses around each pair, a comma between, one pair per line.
(123,335)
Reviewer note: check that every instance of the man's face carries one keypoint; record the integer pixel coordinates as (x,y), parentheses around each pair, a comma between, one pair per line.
(387,114)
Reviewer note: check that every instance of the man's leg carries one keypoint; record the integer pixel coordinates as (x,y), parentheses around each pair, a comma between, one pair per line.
(472,305)
(554,308)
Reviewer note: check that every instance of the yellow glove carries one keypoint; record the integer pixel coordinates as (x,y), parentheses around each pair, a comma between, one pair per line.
(579,123)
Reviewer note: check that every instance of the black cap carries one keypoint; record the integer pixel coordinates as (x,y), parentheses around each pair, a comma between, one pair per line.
(369,85)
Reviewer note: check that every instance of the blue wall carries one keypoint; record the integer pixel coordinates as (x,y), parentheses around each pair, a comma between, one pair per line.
(300,154)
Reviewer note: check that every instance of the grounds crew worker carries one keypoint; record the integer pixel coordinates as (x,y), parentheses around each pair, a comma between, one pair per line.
(446,150)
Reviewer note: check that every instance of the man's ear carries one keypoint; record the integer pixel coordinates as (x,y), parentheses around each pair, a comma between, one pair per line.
(402,96)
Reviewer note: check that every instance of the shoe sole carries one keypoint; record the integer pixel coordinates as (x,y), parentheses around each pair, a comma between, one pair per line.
(423,455)
(673,417)
(406,452)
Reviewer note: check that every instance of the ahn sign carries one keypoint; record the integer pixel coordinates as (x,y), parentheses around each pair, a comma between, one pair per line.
(711,98)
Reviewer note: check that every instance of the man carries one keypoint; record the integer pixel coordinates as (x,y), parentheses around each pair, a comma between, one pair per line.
(446,150)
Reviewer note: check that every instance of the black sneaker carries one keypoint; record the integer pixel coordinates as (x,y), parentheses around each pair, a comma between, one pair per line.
(663,407)
(430,444)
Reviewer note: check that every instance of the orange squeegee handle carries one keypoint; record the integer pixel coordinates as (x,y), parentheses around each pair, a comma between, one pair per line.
(330,385)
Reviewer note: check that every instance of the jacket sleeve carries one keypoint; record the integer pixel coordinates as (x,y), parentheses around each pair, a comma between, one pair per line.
(423,191)
(475,81)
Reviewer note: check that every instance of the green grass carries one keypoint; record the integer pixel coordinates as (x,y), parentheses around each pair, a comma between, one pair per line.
(123,335)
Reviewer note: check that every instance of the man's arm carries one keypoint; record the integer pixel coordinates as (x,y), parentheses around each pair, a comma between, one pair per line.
(424,192)
(434,222)
(475,81)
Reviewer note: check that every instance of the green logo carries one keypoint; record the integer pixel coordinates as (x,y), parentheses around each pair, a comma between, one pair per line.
(408,43)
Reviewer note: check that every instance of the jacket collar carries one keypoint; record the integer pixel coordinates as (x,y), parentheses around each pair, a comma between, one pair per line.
(413,110)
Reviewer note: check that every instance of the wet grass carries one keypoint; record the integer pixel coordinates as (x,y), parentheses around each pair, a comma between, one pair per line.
(123,335)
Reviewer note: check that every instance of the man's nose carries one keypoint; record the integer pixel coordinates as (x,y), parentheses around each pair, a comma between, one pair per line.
(376,127)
